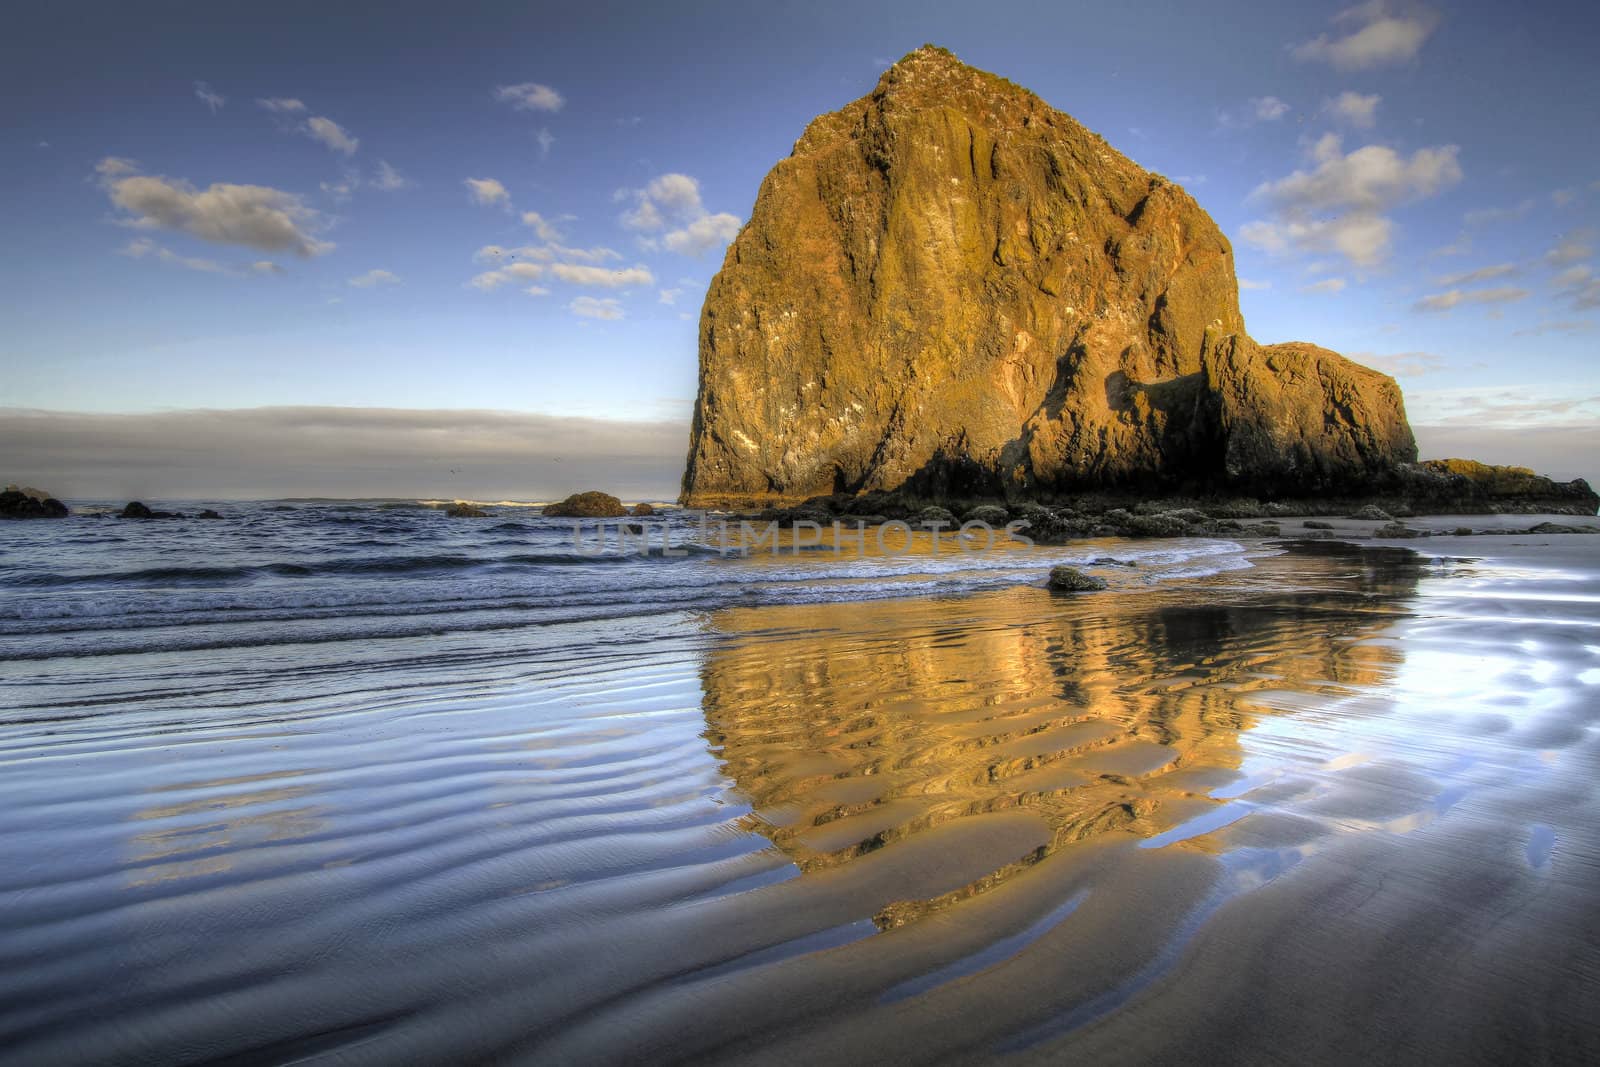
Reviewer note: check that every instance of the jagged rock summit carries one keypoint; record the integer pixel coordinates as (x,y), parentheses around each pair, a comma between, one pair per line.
(951,288)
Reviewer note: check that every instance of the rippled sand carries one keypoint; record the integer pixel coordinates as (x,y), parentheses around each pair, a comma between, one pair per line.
(1337,807)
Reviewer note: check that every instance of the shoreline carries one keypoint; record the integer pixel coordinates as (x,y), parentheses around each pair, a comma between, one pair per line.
(950,825)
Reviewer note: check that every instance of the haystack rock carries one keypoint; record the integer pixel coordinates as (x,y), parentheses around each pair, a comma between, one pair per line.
(952,289)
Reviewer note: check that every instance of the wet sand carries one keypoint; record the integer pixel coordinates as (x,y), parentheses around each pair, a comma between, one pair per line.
(1339,806)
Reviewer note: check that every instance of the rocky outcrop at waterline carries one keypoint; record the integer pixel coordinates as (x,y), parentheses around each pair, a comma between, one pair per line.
(29,503)
(951,290)
(591,505)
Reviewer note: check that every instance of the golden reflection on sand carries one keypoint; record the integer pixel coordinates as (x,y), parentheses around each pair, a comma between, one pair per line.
(1100,716)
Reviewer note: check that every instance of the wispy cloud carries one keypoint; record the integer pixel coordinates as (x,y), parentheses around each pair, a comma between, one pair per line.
(1268,108)
(490,280)
(281,105)
(255,216)
(1402,364)
(1356,109)
(1374,34)
(602,277)
(488,192)
(546,253)
(530,96)
(1454,298)
(1339,204)
(212,100)
(390,180)
(375,278)
(541,226)
(330,133)
(596,308)
(545,139)
(1482,274)
(1574,247)
(1579,287)
(1487,216)
(672,202)
(1326,285)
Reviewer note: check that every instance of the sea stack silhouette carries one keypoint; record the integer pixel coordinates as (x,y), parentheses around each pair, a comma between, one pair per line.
(951,289)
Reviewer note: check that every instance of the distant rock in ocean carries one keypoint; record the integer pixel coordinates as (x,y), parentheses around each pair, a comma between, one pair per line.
(137,510)
(25,502)
(590,505)
(952,290)
(460,510)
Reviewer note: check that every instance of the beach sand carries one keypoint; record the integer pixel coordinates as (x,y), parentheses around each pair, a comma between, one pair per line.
(1338,806)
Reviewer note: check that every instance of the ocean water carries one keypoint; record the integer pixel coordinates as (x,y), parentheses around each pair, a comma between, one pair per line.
(336,782)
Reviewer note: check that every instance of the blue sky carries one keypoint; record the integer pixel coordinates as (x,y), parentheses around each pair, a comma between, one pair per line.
(241,206)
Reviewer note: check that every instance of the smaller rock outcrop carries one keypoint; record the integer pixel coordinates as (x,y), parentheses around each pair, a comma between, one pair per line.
(30,503)
(1064,579)
(466,511)
(208,514)
(590,505)
(642,510)
(137,510)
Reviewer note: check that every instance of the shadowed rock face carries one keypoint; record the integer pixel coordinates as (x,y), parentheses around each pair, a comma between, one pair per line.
(951,288)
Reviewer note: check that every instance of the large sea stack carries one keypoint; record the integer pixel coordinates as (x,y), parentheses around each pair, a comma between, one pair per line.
(952,289)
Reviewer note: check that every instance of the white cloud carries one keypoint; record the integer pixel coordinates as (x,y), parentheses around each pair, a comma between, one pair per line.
(1563,197)
(1361,238)
(1401,364)
(281,104)
(1372,34)
(1488,215)
(390,180)
(1368,179)
(591,308)
(145,248)
(1519,406)
(115,167)
(1579,285)
(712,231)
(541,226)
(1574,247)
(670,296)
(530,96)
(1573,276)
(547,253)
(545,139)
(1357,109)
(675,198)
(602,277)
(677,194)
(1246,283)
(537,290)
(510,272)
(345,187)
(1268,108)
(643,216)
(265,266)
(1326,285)
(331,134)
(1482,274)
(1456,297)
(487,192)
(1338,205)
(213,101)
(255,216)
(374,278)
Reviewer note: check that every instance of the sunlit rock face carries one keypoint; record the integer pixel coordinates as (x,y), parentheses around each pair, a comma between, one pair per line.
(952,288)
